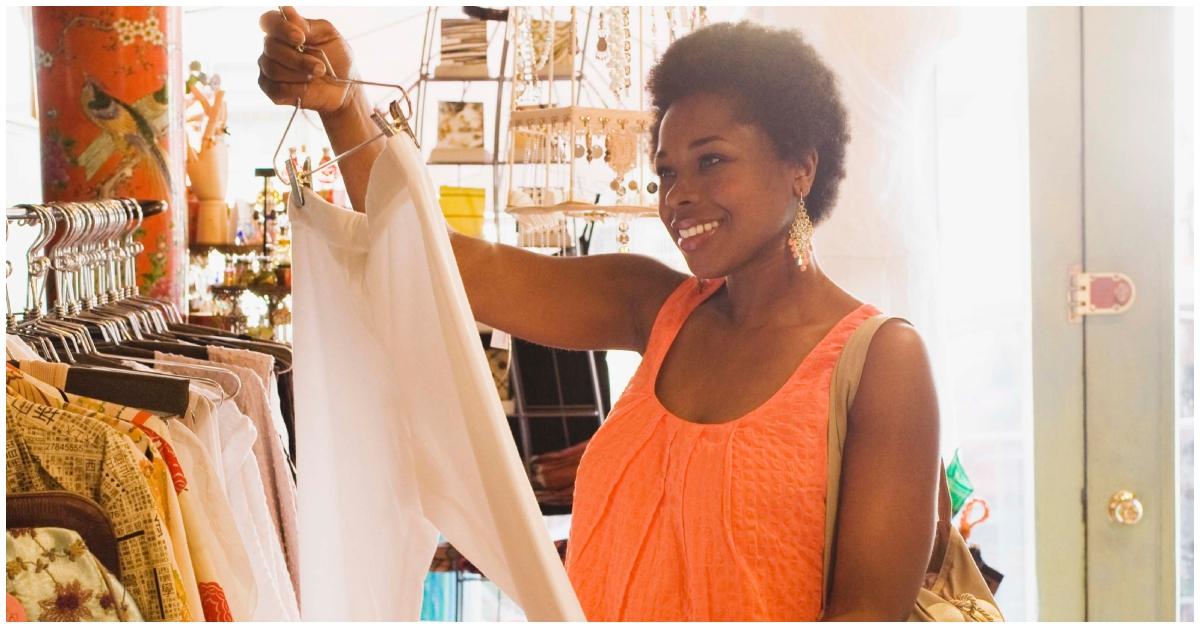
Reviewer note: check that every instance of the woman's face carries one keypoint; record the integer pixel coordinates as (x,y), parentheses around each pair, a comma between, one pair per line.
(725,196)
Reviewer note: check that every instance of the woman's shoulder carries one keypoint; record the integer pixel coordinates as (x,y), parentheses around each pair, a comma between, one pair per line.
(897,378)
(655,283)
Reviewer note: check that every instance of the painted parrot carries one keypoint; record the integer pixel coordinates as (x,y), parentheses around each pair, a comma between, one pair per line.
(130,130)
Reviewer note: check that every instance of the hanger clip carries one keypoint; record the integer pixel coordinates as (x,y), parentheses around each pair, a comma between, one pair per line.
(294,181)
(399,122)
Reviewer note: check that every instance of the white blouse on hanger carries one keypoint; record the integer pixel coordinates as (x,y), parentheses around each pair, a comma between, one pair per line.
(400,430)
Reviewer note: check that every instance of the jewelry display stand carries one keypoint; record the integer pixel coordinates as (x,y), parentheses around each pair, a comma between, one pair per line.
(552,143)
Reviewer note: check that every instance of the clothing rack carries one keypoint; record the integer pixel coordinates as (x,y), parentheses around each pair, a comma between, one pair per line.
(97,377)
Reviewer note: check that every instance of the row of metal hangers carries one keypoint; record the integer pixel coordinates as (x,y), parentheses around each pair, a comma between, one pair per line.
(86,251)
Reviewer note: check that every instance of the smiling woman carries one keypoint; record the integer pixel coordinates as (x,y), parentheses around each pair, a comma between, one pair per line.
(713,462)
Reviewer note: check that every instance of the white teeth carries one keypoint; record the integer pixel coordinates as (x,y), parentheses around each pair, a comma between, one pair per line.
(698,229)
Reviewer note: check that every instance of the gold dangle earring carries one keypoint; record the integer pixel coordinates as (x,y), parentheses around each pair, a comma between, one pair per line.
(800,236)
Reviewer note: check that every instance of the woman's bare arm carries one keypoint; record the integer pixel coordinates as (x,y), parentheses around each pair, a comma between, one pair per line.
(889,483)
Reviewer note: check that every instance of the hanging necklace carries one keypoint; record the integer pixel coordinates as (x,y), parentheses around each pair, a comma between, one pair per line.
(602,39)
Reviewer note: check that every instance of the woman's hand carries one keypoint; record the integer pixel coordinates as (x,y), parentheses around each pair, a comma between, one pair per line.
(285,73)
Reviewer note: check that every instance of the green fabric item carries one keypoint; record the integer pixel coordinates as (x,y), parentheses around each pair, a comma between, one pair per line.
(960,485)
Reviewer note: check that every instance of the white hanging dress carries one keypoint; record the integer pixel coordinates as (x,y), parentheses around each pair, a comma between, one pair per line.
(400,431)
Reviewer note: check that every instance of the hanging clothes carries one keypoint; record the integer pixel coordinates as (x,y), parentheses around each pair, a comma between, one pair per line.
(228,436)
(104,448)
(401,431)
(253,398)
(51,449)
(213,563)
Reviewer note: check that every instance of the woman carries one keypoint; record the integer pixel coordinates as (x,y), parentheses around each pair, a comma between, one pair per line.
(702,496)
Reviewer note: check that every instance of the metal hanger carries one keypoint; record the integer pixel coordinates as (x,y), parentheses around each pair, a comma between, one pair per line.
(225,395)
(394,122)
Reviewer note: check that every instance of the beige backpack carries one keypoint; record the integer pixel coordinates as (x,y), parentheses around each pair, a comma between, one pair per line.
(954,588)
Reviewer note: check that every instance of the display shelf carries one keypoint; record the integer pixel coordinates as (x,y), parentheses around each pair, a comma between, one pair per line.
(569,411)
(270,291)
(593,119)
(226,249)
(589,211)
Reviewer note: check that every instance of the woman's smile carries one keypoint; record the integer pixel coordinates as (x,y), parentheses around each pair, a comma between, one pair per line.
(693,237)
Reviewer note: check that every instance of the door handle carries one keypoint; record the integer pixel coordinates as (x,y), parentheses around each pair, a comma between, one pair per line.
(1124,508)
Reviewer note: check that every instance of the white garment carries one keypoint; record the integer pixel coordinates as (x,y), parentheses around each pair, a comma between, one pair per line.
(18,349)
(400,427)
(253,400)
(213,522)
(264,366)
(248,501)
(228,438)
(233,453)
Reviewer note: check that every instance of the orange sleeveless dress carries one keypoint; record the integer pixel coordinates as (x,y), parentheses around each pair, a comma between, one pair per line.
(675,520)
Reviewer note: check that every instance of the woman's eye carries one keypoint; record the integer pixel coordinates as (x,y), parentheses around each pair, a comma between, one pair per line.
(664,173)
(710,160)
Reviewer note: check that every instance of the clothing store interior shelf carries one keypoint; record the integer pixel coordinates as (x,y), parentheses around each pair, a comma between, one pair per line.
(587,210)
(598,120)
(426,77)
(225,249)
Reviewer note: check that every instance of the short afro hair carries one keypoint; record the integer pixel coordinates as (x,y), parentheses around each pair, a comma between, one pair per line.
(780,84)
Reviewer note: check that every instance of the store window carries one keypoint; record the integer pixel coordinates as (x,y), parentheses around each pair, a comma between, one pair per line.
(983,243)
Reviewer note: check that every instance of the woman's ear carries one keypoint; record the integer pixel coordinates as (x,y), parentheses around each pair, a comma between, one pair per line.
(804,173)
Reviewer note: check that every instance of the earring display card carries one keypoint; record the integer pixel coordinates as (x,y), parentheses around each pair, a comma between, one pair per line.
(464,49)
(460,134)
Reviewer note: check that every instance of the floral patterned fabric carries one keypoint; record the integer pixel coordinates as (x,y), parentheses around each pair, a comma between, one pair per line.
(55,578)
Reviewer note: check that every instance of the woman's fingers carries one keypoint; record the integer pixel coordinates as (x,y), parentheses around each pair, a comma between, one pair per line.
(282,93)
(279,73)
(274,25)
(290,58)
(321,31)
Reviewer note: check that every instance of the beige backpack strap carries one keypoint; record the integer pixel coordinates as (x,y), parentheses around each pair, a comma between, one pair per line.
(842,388)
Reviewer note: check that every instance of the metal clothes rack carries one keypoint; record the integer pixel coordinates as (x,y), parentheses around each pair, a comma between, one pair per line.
(23,212)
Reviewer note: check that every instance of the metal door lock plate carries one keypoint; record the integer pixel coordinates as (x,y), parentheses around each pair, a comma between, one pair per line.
(1099,293)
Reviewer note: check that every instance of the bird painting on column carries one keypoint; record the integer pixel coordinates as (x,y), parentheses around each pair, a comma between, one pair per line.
(130,130)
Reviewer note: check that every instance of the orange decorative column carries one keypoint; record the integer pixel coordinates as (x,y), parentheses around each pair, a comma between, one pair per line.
(110,97)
